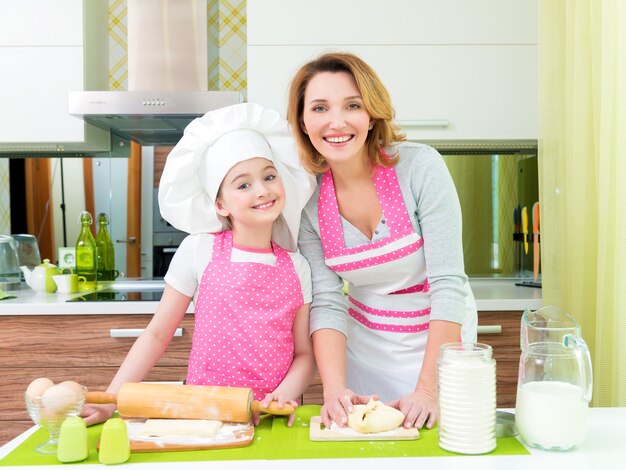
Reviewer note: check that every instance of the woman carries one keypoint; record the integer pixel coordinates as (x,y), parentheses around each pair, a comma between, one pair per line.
(385,218)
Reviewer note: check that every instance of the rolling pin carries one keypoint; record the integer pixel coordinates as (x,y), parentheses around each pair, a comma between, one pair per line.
(146,400)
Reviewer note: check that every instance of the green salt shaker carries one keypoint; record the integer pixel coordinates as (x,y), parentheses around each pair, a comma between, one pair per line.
(114,444)
(73,446)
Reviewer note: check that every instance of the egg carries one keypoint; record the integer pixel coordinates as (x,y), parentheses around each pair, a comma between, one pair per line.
(76,387)
(59,399)
(38,386)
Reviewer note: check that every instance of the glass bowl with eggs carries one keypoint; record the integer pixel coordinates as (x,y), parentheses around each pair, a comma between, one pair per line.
(48,405)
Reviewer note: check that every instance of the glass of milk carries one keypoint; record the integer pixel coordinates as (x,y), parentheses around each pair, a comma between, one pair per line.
(553,394)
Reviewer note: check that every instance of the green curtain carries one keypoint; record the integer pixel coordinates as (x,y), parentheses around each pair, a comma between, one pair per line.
(582,169)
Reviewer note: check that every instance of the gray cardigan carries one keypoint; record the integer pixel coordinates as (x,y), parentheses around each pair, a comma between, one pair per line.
(433,205)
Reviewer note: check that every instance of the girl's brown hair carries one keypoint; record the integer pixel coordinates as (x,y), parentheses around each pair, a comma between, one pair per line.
(375,98)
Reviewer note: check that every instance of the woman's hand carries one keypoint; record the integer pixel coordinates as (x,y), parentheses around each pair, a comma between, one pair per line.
(338,404)
(419,408)
(280,403)
(94,414)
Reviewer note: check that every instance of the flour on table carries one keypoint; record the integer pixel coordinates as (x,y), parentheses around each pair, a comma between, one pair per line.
(227,432)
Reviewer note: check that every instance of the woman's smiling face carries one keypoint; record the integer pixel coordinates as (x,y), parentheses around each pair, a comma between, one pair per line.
(335,118)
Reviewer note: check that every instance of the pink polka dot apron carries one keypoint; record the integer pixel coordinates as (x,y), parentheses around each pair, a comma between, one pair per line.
(388,302)
(244,315)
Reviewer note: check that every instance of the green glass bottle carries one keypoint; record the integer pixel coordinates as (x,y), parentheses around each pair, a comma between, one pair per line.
(86,253)
(106,253)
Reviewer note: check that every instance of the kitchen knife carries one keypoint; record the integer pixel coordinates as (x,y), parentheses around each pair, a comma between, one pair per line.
(151,400)
(536,240)
(525,228)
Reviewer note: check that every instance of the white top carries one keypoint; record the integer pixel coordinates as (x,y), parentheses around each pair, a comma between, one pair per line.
(196,251)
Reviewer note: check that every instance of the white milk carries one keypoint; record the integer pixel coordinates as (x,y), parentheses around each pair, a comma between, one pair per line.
(551,415)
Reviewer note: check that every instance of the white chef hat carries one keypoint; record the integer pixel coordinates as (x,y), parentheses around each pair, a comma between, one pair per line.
(210,147)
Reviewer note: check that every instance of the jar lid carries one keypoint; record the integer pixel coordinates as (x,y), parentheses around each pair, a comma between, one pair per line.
(505,424)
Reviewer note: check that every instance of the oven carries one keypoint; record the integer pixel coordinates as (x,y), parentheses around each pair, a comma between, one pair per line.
(165,240)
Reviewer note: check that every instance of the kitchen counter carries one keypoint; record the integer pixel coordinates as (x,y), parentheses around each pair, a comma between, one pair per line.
(491,295)
(604,448)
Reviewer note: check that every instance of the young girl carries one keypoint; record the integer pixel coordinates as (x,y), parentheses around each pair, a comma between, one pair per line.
(386,219)
(234,182)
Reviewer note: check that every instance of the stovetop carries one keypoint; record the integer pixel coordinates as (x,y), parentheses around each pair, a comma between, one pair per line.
(119,296)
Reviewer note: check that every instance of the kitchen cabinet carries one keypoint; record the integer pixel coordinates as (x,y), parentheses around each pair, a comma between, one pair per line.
(43,51)
(85,348)
(458,71)
(90,348)
(500,330)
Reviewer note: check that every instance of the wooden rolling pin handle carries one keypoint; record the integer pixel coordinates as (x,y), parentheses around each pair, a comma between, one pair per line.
(101,398)
(273,409)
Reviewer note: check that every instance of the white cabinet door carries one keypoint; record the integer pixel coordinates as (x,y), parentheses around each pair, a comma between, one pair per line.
(41,23)
(34,93)
(363,22)
(455,69)
(439,92)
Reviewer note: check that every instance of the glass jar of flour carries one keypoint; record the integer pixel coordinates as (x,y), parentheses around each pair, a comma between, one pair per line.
(466,382)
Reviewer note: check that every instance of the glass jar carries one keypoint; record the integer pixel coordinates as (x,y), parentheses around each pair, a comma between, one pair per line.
(466,382)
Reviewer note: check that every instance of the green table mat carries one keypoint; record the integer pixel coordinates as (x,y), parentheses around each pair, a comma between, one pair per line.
(273,440)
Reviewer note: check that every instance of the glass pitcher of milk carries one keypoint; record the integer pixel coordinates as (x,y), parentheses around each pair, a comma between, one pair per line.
(555,381)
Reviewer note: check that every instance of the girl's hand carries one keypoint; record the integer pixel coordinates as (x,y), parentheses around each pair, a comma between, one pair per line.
(280,403)
(338,404)
(94,414)
(419,408)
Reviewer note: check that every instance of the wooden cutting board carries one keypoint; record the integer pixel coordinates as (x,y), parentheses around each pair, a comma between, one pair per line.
(230,435)
(317,432)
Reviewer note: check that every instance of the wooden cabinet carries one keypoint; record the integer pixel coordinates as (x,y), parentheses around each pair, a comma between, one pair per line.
(501,330)
(457,71)
(85,348)
(90,348)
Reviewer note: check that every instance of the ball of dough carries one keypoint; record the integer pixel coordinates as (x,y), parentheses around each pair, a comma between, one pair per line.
(38,386)
(374,417)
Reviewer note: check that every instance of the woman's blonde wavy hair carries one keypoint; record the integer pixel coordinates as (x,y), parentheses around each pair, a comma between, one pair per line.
(375,98)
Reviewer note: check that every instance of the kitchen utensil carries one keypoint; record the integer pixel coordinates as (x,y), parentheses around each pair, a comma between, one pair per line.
(27,250)
(39,278)
(10,277)
(517,238)
(466,377)
(48,415)
(230,435)
(555,381)
(320,433)
(525,228)
(146,400)
(535,240)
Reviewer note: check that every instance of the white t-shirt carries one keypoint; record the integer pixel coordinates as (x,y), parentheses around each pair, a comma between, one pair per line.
(195,252)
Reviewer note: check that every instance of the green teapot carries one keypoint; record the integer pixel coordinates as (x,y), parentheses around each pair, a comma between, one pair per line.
(39,278)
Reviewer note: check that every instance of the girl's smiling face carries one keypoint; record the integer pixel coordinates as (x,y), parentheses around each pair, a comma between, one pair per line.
(335,117)
(251,195)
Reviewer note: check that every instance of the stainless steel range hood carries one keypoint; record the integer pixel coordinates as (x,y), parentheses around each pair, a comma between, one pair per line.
(167,82)
(150,118)
(167,76)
